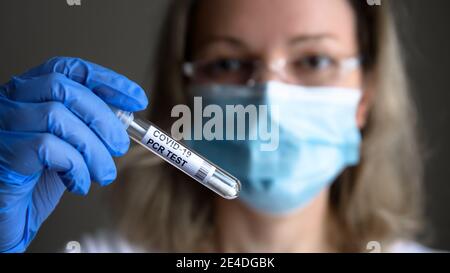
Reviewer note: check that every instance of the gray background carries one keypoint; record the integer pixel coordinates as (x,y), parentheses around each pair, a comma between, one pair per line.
(121,35)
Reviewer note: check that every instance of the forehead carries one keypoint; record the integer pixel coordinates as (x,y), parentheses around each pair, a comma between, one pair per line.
(266,22)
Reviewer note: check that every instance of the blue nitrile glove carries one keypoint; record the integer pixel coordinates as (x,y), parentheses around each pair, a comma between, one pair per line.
(56,133)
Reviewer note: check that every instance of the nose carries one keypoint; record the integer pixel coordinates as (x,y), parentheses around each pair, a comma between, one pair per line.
(270,71)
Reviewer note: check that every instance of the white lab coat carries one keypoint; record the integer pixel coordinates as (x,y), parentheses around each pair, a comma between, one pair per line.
(108,242)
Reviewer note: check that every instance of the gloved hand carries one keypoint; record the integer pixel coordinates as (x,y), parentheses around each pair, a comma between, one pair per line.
(56,133)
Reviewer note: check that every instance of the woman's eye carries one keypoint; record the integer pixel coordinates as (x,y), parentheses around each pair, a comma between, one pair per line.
(225,65)
(314,62)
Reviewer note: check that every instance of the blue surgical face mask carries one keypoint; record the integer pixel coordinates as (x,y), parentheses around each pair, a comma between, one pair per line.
(317,139)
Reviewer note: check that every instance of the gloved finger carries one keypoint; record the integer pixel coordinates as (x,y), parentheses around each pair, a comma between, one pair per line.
(46,196)
(113,88)
(81,101)
(3,91)
(28,154)
(55,118)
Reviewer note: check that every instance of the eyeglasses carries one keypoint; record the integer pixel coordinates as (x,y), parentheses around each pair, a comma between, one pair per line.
(309,71)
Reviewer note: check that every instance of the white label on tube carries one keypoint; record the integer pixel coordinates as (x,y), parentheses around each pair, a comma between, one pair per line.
(177,155)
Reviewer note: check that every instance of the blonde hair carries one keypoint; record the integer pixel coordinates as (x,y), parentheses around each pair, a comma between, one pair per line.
(376,200)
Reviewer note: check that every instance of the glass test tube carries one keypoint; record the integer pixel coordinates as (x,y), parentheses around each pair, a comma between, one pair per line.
(178,155)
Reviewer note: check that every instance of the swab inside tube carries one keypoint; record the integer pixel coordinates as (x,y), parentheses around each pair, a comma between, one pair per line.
(179,156)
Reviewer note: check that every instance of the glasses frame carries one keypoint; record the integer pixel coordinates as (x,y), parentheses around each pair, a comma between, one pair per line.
(345,65)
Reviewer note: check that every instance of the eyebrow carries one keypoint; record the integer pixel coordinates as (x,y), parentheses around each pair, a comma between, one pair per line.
(235,42)
(310,38)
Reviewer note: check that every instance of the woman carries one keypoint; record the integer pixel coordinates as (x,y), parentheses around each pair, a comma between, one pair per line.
(376,200)
(365,189)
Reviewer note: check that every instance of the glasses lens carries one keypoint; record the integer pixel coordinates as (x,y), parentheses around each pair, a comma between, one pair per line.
(314,70)
(227,71)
